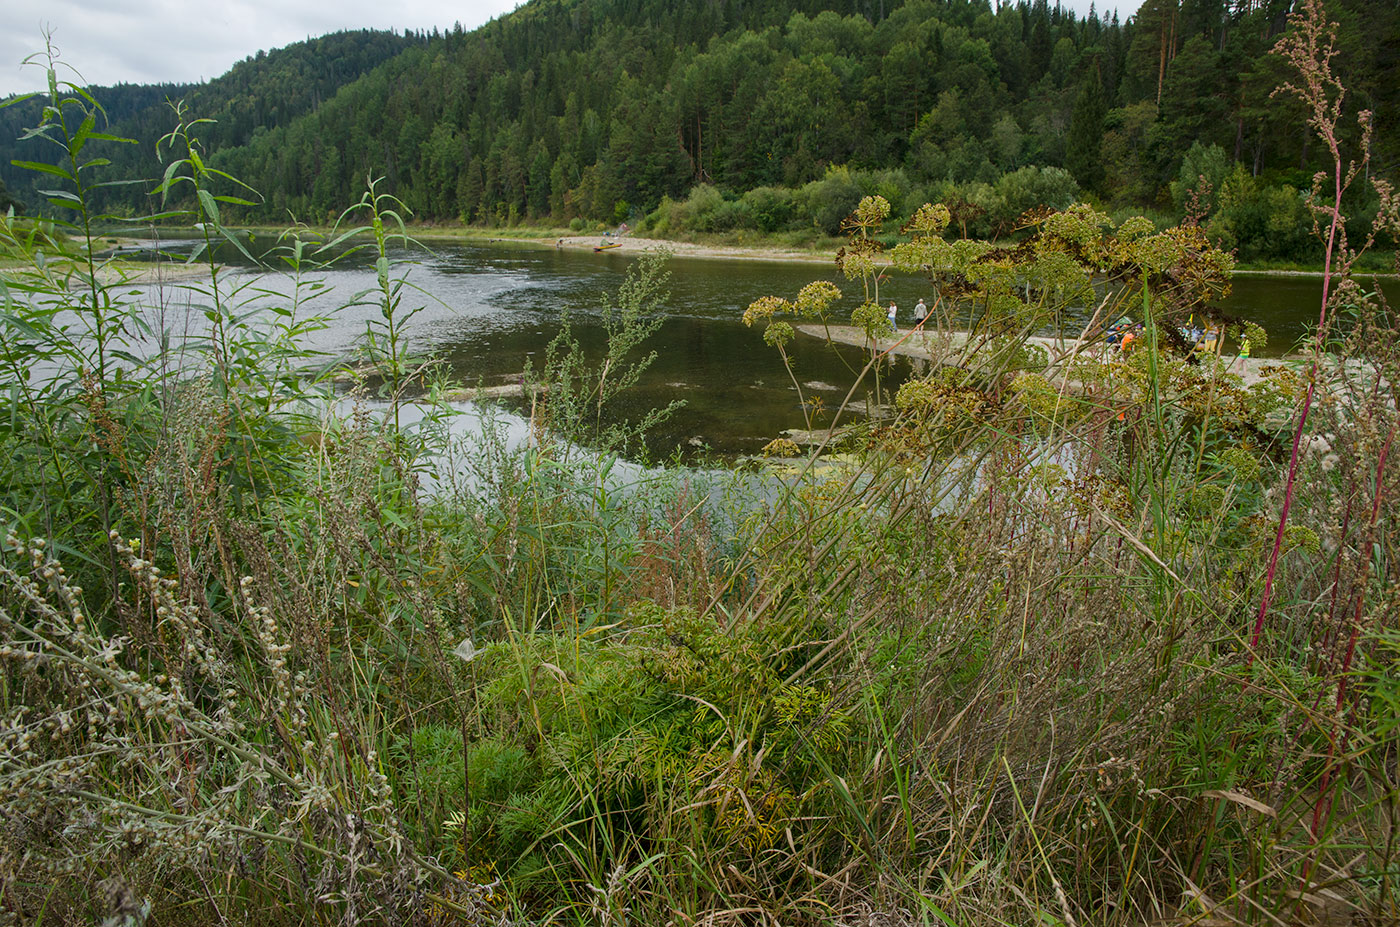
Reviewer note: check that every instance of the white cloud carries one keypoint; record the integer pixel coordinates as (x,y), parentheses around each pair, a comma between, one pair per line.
(165,41)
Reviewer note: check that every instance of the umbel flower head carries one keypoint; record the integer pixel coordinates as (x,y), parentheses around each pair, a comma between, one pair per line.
(778,334)
(816,298)
(764,308)
(856,263)
(928,220)
(871,319)
(870,212)
(781,447)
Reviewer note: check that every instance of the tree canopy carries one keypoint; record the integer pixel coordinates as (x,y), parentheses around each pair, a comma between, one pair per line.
(604,109)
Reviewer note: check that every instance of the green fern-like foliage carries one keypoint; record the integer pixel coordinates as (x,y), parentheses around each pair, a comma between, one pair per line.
(676,724)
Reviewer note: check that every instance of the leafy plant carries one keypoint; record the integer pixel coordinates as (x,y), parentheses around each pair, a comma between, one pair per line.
(581,401)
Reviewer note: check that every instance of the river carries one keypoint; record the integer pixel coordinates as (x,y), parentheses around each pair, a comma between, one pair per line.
(488,308)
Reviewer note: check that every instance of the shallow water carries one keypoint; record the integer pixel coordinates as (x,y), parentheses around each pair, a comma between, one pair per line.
(1287,305)
(488,309)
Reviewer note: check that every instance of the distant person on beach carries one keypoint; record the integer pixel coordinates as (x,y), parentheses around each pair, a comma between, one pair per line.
(1244,354)
(1210,340)
(920,312)
(894,311)
(1114,336)
(1126,344)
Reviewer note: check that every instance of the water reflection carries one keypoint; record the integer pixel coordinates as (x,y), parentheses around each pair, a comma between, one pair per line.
(489,309)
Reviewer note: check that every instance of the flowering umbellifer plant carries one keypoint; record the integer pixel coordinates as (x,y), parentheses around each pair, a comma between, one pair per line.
(813,302)
(858,261)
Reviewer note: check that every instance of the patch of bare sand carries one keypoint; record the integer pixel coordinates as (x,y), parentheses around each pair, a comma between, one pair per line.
(949,347)
(152,273)
(633,245)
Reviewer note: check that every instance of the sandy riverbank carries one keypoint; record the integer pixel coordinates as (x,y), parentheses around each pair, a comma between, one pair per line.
(945,347)
(631,244)
(154,273)
(150,273)
(119,273)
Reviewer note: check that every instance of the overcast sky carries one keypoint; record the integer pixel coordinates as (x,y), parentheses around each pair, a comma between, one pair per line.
(175,41)
(178,41)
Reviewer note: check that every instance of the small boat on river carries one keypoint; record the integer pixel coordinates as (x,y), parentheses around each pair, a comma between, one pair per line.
(607,246)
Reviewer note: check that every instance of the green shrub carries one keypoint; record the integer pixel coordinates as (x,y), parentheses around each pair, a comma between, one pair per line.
(827,202)
(1262,222)
(773,208)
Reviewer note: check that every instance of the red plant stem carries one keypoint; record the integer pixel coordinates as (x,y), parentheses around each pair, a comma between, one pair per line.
(1361,592)
(1323,806)
(1328,628)
(1293,460)
(1326,661)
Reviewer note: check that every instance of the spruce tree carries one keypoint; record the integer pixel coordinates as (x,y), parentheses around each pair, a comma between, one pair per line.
(7,200)
(1082,151)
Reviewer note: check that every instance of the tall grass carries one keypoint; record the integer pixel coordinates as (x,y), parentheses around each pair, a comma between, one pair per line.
(988,664)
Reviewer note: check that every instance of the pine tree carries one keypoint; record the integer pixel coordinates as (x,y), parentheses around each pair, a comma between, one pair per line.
(1083,155)
(470,187)
(7,200)
(537,186)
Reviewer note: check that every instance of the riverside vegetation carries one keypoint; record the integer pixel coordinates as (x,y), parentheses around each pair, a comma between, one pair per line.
(1030,651)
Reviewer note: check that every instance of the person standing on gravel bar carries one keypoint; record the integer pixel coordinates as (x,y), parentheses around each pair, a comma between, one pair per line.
(1243,358)
(894,311)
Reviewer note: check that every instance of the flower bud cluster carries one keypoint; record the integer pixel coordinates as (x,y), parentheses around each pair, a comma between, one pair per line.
(109,752)
(88,725)
(291,692)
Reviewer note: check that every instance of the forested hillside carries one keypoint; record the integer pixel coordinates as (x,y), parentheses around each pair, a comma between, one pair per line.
(711,115)
(257,95)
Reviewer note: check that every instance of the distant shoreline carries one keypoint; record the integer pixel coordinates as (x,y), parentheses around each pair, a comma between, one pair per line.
(760,252)
(632,245)
(635,244)
(1265,272)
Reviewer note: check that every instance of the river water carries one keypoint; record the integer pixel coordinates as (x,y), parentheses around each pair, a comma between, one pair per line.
(487,309)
